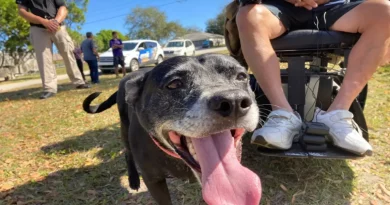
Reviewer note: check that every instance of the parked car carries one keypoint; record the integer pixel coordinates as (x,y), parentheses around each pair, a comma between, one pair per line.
(182,47)
(137,53)
(207,44)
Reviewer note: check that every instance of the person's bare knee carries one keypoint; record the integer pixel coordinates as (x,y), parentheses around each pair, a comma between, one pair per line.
(379,18)
(373,14)
(258,17)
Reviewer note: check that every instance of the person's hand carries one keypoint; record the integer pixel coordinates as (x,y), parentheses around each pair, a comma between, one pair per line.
(52,26)
(55,23)
(308,4)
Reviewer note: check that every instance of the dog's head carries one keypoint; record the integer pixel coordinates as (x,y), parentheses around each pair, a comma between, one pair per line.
(197,109)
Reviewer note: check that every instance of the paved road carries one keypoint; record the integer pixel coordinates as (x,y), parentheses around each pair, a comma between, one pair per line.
(12,86)
(211,50)
(28,83)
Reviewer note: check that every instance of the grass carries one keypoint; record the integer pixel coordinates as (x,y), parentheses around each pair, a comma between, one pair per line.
(51,152)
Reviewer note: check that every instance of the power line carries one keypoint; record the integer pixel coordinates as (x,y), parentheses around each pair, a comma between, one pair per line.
(121,6)
(117,16)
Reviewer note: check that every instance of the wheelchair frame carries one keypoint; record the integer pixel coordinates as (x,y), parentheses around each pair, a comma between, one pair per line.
(313,144)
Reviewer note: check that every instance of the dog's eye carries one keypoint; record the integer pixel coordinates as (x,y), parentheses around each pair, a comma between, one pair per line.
(175,84)
(242,76)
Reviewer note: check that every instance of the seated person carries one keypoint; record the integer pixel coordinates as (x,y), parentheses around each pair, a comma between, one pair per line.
(259,23)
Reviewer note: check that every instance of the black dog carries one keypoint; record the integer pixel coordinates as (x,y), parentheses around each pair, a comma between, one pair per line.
(195,109)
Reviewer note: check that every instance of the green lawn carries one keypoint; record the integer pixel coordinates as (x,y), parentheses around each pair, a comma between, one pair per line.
(51,152)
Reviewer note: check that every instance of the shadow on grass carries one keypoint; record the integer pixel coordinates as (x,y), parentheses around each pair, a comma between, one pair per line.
(94,184)
(302,181)
(34,93)
(312,181)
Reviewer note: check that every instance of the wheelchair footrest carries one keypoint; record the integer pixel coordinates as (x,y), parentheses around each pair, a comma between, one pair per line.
(314,139)
(315,148)
(311,143)
(316,128)
(297,151)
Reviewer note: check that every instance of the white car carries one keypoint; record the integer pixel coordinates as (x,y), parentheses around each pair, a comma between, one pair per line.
(180,47)
(137,53)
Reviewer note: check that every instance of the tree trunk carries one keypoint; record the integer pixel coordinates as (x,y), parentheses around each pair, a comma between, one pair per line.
(2,59)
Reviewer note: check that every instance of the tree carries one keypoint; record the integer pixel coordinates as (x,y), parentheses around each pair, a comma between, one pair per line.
(150,23)
(193,29)
(76,11)
(76,36)
(103,37)
(217,25)
(14,32)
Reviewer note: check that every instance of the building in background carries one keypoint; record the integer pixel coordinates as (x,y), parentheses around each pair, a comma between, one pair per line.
(214,40)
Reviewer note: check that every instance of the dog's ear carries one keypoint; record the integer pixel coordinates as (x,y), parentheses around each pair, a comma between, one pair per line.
(134,85)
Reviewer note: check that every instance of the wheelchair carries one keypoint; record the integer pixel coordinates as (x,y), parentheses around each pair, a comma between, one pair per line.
(310,86)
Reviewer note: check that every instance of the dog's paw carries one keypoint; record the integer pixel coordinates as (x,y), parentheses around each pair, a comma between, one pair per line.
(134,183)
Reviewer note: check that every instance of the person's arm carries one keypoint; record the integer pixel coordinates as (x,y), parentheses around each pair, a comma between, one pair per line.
(62,11)
(94,49)
(121,44)
(112,45)
(30,17)
(61,14)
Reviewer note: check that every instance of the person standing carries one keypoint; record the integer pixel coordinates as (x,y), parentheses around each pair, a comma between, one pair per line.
(117,46)
(77,54)
(91,56)
(46,26)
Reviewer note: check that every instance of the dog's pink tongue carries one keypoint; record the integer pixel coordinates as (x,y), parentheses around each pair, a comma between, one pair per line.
(224,180)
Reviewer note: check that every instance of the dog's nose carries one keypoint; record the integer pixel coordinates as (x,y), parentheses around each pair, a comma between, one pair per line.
(227,104)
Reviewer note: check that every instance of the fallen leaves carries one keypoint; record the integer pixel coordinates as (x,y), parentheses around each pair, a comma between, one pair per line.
(294,197)
(383,188)
(6,186)
(283,187)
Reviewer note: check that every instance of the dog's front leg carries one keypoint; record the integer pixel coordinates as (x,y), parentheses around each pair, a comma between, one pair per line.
(159,191)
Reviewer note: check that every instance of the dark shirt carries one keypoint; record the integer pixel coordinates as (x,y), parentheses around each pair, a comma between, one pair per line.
(44,8)
(77,53)
(116,51)
(87,47)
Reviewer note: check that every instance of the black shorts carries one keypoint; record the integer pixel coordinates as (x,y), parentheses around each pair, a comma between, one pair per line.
(119,60)
(294,18)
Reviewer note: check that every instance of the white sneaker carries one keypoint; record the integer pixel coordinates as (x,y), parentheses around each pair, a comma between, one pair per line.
(278,131)
(344,131)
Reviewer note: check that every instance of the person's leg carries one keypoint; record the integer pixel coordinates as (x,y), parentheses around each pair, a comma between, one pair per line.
(89,62)
(122,61)
(65,47)
(371,19)
(80,66)
(96,71)
(40,39)
(116,66)
(257,25)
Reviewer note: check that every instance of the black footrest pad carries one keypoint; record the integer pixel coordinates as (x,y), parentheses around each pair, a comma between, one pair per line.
(314,139)
(297,151)
(316,128)
(315,148)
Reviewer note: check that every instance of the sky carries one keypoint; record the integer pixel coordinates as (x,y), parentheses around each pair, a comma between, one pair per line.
(111,14)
